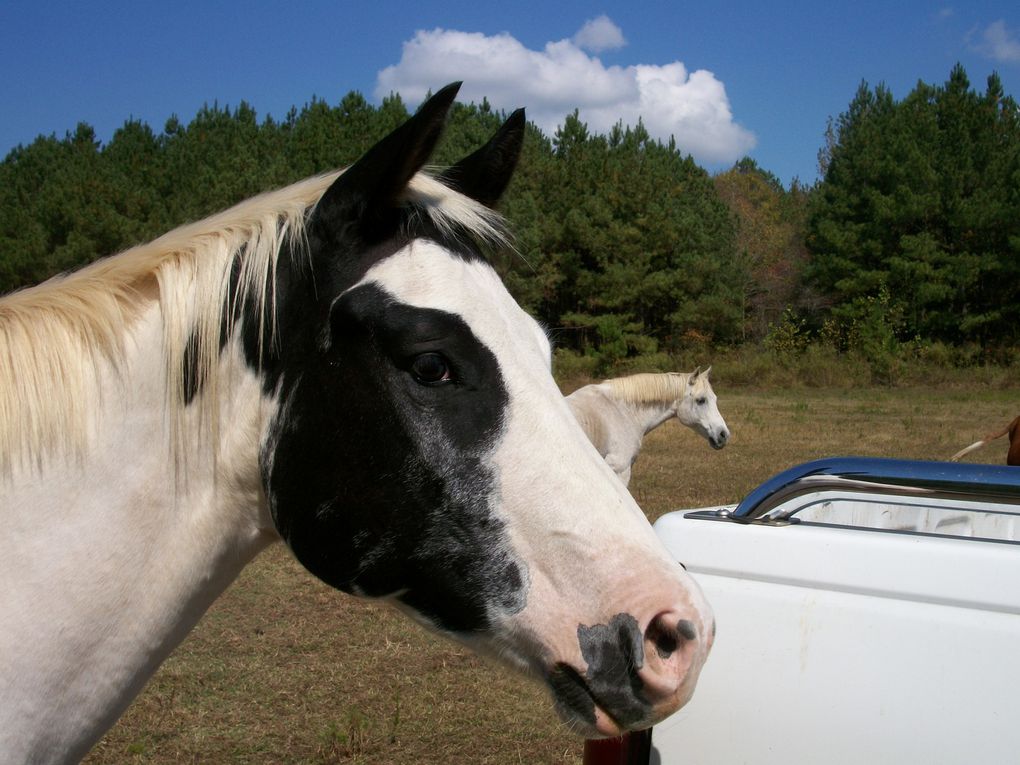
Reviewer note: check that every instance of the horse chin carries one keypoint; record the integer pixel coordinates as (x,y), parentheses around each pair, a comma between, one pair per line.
(581,710)
(606,727)
(573,698)
(603,727)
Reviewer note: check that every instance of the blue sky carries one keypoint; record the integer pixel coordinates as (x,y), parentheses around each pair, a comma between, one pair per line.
(727,78)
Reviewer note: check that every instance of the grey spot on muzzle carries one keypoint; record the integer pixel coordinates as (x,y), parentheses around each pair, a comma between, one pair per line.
(614,653)
(685,628)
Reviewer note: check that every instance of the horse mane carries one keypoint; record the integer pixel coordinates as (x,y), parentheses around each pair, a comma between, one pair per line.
(650,387)
(55,336)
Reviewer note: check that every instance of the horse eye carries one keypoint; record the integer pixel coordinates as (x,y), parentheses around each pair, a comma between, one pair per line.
(702,401)
(431,369)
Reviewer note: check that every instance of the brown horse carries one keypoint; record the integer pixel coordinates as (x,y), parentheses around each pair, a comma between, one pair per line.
(1012,456)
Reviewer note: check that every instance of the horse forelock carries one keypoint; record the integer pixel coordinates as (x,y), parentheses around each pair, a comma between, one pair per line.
(55,336)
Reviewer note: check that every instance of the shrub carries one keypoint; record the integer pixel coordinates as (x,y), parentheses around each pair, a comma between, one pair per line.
(788,337)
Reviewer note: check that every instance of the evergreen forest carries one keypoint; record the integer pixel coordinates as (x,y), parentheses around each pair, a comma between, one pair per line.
(909,242)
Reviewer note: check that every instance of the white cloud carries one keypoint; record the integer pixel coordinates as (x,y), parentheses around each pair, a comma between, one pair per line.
(999,43)
(552,82)
(598,35)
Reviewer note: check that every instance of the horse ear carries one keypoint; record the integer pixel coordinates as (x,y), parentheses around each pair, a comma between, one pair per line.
(380,176)
(707,370)
(484,174)
(695,373)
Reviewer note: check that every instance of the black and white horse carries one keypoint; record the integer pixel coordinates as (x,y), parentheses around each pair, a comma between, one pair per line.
(336,365)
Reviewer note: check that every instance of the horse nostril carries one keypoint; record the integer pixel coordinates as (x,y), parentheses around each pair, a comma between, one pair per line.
(665,644)
(667,638)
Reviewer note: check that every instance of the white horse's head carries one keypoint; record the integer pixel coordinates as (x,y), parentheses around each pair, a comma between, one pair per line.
(698,409)
(421,451)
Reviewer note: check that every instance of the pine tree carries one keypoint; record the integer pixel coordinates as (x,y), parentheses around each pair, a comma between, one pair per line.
(919,199)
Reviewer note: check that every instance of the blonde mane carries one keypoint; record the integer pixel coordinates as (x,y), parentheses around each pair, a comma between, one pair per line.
(652,388)
(54,337)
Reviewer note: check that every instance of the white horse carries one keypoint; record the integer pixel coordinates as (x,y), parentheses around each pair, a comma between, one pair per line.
(335,365)
(617,414)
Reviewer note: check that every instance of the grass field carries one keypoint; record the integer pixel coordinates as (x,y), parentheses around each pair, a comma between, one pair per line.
(285,670)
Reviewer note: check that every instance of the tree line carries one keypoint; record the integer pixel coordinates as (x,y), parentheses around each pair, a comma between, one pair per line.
(625,246)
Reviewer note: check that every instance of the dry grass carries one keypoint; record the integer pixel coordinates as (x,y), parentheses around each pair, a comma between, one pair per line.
(285,670)
(773,430)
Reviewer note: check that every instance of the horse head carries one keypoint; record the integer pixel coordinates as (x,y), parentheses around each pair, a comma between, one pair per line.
(422,453)
(698,409)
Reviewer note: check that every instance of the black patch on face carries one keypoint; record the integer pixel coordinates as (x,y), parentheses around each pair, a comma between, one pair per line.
(377,468)
(380,483)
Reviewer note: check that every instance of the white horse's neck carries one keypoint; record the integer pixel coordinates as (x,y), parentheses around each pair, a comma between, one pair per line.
(649,413)
(652,415)
(117,543)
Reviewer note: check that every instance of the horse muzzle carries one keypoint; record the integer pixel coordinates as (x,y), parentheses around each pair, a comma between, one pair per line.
(632,677)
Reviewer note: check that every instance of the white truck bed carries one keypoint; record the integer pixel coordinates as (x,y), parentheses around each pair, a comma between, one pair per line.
(868,612)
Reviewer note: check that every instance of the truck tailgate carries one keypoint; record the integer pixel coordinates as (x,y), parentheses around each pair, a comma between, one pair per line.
(848,645)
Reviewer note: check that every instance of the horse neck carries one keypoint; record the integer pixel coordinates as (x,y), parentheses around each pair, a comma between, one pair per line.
(650,411)
(655,414)
(117,553)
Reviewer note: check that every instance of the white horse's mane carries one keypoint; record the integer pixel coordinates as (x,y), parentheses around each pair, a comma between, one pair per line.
(54,336)
(653,388)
